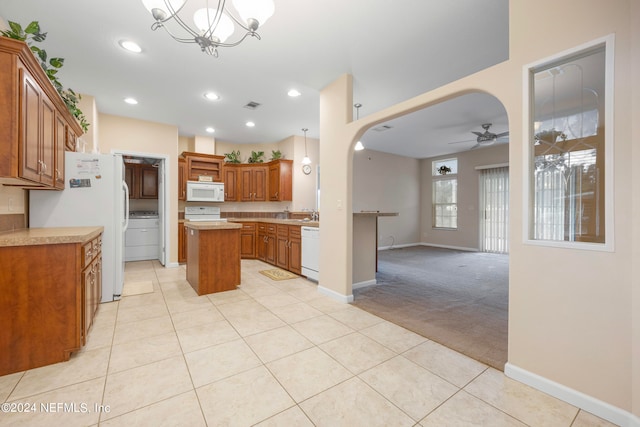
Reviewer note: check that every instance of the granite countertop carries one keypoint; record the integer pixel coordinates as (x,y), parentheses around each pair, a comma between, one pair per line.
(212,225)
(305,223)
(49,236)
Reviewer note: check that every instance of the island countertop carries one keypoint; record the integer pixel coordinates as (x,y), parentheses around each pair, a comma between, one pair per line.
(48,236)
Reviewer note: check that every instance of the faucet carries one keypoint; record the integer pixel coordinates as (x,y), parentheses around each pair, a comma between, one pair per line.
(315,215)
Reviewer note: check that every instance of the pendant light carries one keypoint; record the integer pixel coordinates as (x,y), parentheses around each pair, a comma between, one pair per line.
(305,160)
(358,146)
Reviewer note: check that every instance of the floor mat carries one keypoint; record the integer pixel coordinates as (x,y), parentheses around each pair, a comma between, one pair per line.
(277,274)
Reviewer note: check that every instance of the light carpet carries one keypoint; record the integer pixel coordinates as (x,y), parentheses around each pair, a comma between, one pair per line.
(277,274)
(137,288)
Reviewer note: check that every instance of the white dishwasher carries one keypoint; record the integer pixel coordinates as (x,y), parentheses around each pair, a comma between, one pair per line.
(311,252)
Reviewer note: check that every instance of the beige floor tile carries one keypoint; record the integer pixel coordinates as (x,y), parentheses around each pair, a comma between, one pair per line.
(277,343)
(144,328)
(392,336)
(100,336)
(357,352)
(146,266)
(322,329)
(521,401)
(352,404)
(464,410)
(356,318)
(280,299)
(238,308)
(141,312)
(325,304)
(206,335)
(454,367)
(291,417)
(294,285)
(136,388)
(106,315)
(254,323)
(308,372)
(305,293)
(243,399)
(227,297)
(179,305)
(585,419)
(296,312)
(140,352)
(80,367)
(221,361)
(181,410)
(8,383)
(198,317)
(72,405)
(410,387)
(142,299)
(170,274)
(258,288)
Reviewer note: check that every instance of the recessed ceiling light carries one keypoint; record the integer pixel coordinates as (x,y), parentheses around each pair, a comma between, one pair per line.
(293,93)
(131,101)
(211,96)
(250,124)
(210,130)
(130,46)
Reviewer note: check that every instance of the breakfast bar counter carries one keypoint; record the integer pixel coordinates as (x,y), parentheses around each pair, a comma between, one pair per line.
(213,256)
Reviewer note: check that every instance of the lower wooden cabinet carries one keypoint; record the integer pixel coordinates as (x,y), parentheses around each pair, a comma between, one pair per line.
(289,245)
(49,294)
(248,240)
(182,243)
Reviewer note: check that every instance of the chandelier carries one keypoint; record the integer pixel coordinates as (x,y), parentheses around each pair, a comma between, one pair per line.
(213,22)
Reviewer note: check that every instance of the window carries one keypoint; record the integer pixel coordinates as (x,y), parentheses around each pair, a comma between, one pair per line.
(445,193)
(568,179)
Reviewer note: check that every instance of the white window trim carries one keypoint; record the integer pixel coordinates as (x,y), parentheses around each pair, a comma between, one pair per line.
(527,152)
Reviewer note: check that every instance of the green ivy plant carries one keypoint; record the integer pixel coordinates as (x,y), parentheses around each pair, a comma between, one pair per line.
(232,157)
(276,154)
(256,157)
(32,35)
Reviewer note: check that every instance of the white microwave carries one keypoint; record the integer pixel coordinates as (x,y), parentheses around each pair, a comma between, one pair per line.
(205,191)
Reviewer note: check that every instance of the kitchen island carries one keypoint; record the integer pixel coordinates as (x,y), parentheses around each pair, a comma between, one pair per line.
(213,256)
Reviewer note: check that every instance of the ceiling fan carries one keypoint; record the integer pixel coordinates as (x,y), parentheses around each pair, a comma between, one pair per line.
(484,138)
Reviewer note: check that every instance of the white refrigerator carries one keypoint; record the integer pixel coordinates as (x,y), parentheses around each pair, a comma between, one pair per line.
(95,194)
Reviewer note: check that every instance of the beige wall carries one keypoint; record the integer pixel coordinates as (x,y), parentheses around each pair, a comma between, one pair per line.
(388,183)
(143,137)
(571,314)
(467,236)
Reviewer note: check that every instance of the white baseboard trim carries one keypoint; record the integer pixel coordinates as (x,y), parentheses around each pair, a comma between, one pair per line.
(404,245)
(576,398)
(336,296)
(172,265)
(457,248)
(363,284)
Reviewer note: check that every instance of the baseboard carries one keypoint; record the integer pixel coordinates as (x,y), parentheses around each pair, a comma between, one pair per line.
(583,401)
(404,245)
(457,248)
(336,296)
(363,284)
(172,265)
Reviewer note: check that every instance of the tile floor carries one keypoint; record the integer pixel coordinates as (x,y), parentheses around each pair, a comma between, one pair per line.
(271,353)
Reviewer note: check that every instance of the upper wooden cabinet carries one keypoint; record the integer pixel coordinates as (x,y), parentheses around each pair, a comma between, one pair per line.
(230,175)
(35,124)
(199,164)
(182,179)
(253,183)
(280,180)
(142,181)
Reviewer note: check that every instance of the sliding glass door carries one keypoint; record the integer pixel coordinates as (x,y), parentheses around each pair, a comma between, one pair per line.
(494,205)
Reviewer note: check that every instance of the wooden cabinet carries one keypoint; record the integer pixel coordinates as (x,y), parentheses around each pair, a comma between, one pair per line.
(91,282)
(230,172)
(49,294)
(142,181)
(248,240)
(182,179)
(199,164)
(289,244)
(182,243)
(35,124)
(266,242)
(280,180)
(253,183)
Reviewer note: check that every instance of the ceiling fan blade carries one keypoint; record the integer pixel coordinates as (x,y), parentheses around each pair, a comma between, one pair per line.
(477,133)
(459,142)
(500,135)
(475,146)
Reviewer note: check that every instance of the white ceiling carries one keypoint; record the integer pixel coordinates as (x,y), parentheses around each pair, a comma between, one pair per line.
(393,53)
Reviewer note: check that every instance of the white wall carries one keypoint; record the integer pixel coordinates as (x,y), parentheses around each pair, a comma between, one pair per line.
(389,183)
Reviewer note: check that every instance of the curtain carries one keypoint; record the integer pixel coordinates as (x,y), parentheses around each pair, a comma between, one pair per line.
(494,204)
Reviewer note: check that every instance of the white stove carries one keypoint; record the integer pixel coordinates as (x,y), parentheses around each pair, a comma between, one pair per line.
(202,213)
